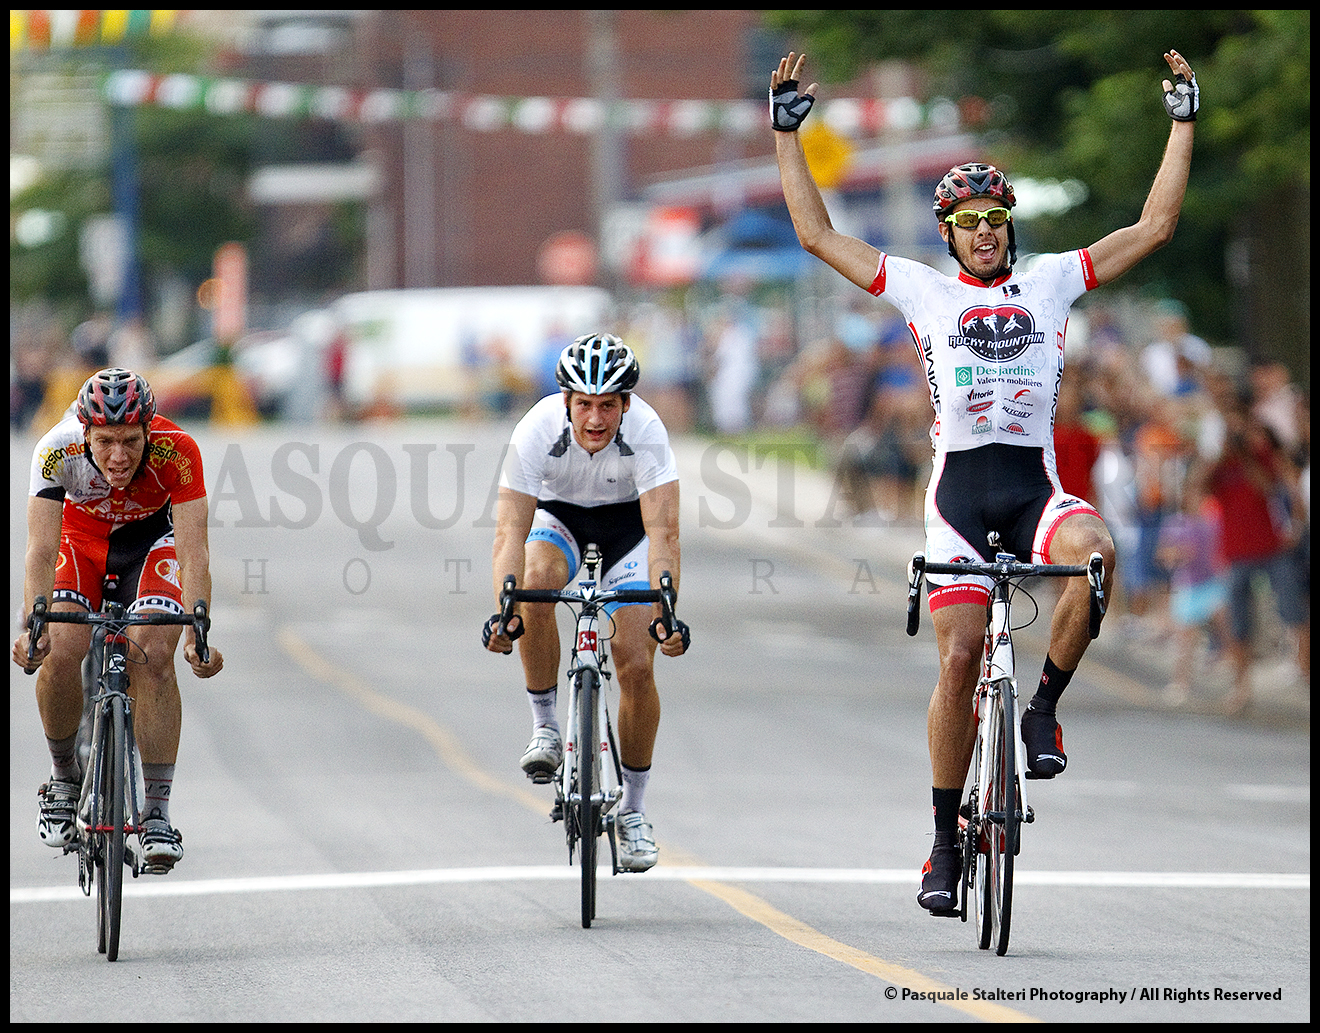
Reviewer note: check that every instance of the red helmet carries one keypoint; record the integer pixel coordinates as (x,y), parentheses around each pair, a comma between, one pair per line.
(972,180)
(116,396)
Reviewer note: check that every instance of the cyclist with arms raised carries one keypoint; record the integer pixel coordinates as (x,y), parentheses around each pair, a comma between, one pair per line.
(117,505)
(991,342)
(592,464)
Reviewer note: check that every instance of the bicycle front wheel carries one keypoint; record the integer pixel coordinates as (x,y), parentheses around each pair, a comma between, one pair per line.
(588,810)
(109,829)
(1000,825)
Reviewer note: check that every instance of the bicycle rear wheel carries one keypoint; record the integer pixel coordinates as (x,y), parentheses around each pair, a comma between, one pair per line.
(109,829)
(1000,825)
(588,810)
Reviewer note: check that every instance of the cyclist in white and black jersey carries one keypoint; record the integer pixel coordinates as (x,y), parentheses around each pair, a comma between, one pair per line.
(592,464)
(991,342)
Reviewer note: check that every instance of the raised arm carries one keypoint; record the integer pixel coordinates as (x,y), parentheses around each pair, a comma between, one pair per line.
(855,259)
(1114,255)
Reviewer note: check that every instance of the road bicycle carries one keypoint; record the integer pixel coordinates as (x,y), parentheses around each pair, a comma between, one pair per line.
(110,804)
(589,783)
(996,805)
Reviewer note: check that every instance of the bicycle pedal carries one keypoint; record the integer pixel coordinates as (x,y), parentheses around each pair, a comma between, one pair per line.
(1037,778)
(157,869)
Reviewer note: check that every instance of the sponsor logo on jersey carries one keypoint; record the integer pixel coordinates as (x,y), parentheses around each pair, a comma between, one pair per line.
(962,376)
(168,570)
(53,458)
(997,333)
(982,425)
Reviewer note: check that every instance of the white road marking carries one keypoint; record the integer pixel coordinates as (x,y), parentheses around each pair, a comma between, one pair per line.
(535,873)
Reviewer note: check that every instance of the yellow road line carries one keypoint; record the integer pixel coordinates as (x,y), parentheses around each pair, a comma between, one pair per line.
(454,756)
(444,741)
(804,935)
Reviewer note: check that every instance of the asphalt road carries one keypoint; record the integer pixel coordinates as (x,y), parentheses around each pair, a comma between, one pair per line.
(361,845)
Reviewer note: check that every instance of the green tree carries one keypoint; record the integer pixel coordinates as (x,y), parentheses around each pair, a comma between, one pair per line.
(191,168)
(1075,95)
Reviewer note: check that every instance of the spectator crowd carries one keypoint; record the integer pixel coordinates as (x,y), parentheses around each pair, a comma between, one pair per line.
(1198,459)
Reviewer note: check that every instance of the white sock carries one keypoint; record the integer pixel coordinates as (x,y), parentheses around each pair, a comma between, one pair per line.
(157,781)
(543,708)
(634,789)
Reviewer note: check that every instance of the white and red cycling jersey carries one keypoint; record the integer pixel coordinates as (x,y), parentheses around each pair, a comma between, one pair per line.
(993,358)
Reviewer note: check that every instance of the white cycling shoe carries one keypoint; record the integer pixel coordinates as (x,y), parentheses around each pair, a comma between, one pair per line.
(160,846)
(57,803)
(543,755)
(636,842)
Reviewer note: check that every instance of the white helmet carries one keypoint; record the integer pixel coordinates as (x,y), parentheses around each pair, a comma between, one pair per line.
(597,364)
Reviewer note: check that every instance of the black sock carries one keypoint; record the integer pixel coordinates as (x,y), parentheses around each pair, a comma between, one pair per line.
(946,809)
(1052,683)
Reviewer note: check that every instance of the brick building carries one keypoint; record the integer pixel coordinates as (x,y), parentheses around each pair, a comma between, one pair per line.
(510,158)
(491,199)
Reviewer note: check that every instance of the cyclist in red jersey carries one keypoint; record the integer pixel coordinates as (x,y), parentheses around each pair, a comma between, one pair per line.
(992,344)
(116,509)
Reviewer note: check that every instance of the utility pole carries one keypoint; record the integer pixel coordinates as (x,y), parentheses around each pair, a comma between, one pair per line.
(608,154)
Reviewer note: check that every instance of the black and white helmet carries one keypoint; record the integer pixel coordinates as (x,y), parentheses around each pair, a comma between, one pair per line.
(598,364)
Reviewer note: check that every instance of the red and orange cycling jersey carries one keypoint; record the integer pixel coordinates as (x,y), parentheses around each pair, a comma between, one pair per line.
(127,532)
(61,469)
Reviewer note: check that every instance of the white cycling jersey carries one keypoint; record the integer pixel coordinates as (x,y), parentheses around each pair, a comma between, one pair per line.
(993,354)
(545,460)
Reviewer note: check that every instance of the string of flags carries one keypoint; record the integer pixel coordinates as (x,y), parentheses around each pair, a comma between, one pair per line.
(38,31)
(485,113)
(53,30)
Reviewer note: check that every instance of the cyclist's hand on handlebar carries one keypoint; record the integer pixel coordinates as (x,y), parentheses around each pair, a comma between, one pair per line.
(213,664)
(39,654)
(673,643)
(494,641)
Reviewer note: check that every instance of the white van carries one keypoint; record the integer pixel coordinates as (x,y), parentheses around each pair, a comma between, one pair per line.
(433,348)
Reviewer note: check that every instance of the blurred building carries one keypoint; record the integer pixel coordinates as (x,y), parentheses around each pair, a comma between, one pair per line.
(402,148)
(561,146)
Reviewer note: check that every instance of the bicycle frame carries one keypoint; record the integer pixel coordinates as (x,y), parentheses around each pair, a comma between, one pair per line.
(110,803)
(590,733)
(999,674)
(590,655)
(1001,814)
(110,657)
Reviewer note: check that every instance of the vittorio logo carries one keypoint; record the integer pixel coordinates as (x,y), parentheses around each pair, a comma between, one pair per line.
(962,376)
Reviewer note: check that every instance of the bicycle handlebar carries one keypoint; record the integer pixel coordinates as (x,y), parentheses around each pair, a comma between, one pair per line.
(664,595)
(42,615)
(1004,570)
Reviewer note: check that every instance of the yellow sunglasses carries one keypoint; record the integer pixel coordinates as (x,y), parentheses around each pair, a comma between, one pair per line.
(970,218)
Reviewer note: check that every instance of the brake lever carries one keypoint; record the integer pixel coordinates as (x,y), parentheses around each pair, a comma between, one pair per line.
(1095,574)
(916,572)
(36,623)
(201,625)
